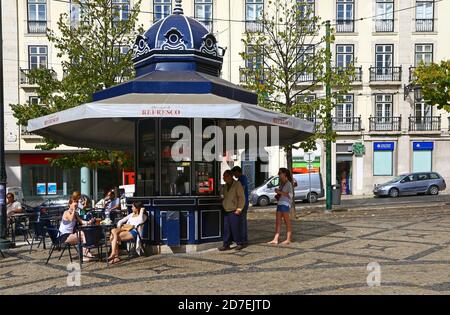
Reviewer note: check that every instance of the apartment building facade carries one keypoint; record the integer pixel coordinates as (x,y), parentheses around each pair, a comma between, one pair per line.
(384,39)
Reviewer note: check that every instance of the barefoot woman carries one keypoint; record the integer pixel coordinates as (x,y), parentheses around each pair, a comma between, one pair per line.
(285,194)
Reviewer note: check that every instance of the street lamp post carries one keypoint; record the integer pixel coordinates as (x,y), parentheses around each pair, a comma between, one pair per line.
(3,242)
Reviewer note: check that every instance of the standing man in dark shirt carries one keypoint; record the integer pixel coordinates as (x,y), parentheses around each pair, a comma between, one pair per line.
(237,172)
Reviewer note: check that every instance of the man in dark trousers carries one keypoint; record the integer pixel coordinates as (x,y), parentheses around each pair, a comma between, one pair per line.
(233,202)
(237,172)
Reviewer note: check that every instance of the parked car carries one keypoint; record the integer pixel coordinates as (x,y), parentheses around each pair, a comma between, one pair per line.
(52,207)
(265,194)
(412,184)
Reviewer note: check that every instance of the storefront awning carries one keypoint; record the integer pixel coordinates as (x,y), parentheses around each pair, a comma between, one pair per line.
(109,124)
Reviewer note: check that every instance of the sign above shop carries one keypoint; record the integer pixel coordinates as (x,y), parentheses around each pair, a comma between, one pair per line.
(423,146)
(383,146)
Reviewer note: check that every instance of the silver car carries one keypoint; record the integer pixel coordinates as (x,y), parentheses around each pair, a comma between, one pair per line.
(412,184)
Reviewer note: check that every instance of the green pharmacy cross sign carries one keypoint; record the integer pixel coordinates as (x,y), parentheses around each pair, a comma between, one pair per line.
(359,149)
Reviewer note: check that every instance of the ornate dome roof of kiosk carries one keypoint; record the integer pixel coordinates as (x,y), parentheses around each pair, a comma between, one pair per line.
(177,42)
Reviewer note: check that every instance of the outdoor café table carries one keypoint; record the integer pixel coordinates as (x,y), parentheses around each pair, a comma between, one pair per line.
(105,228)
(14,219)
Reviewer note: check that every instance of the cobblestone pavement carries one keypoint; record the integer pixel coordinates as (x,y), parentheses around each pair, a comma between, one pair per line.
(330,255)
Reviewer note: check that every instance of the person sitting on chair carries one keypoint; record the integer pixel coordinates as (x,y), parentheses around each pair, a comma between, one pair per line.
(12,205)
(66,228)
(126,230)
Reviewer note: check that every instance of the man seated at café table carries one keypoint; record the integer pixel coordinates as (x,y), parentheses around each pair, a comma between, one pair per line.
(12,205)
(110,204)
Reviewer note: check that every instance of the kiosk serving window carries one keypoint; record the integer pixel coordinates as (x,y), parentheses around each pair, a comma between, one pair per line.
(175,159)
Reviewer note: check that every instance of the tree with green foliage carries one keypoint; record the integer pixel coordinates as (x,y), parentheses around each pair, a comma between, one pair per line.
(434,81)
(286,63)
(91,48)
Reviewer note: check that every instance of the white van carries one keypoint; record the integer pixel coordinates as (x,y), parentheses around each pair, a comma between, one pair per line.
(265,194)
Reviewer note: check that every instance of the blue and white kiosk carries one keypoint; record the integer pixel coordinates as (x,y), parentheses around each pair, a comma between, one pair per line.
(178,63)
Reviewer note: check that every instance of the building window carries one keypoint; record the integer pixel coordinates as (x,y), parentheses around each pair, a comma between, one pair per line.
(344,16)
(305,53)
(344,109)
(307,9)
(34,100)
(121,11)
(308,113)
(37,16)
(424,16)
(161,9)
(76,12)
(423,54)
(383,107)
(383,158)
(384,16)
(421,109)
(257,62)
(204,13)
(254,10)
(384,55)
(344,55)
(37,57)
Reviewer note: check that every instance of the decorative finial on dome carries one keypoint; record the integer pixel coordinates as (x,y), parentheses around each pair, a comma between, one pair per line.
(178,8)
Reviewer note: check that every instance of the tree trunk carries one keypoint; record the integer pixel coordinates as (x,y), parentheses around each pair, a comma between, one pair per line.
(289,167)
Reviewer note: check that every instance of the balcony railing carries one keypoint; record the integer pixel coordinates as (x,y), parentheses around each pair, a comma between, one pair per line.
(346,123)
(424,25)
(385,73)
(384,25)
(246,73)
(305,77)
(37,27)
(253,26)
(356,77)
(25,80)
(412,77)
(385,123)
(345,26)
(421,123)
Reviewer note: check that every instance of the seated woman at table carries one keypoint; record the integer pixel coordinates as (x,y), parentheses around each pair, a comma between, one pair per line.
(67,228)
(122,233)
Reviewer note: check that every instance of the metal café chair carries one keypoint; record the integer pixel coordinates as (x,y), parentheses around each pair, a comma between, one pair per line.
(132,244)
(2,253)
(40,232)
(54,235)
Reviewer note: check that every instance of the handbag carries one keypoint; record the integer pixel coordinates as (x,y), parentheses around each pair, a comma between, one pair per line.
(127,227)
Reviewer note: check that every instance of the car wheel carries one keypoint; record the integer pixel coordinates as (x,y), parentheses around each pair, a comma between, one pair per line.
(263,201)
(433,190)
(393,192)
(313,198)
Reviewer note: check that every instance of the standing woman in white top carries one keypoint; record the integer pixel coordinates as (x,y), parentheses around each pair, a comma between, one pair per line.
(67,228)
(285,193)
(120,234)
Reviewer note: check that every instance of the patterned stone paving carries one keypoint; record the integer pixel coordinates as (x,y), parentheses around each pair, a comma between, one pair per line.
(330,255)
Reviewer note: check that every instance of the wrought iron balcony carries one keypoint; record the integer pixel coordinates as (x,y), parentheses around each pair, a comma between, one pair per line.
(253,26)
(37,27)
(24,76)
(346,123)
(424,25)
(305,77)
(345,26)
(385,73)
(356,77)
(246,73)
(384,25)
(424,123)
(385,123)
